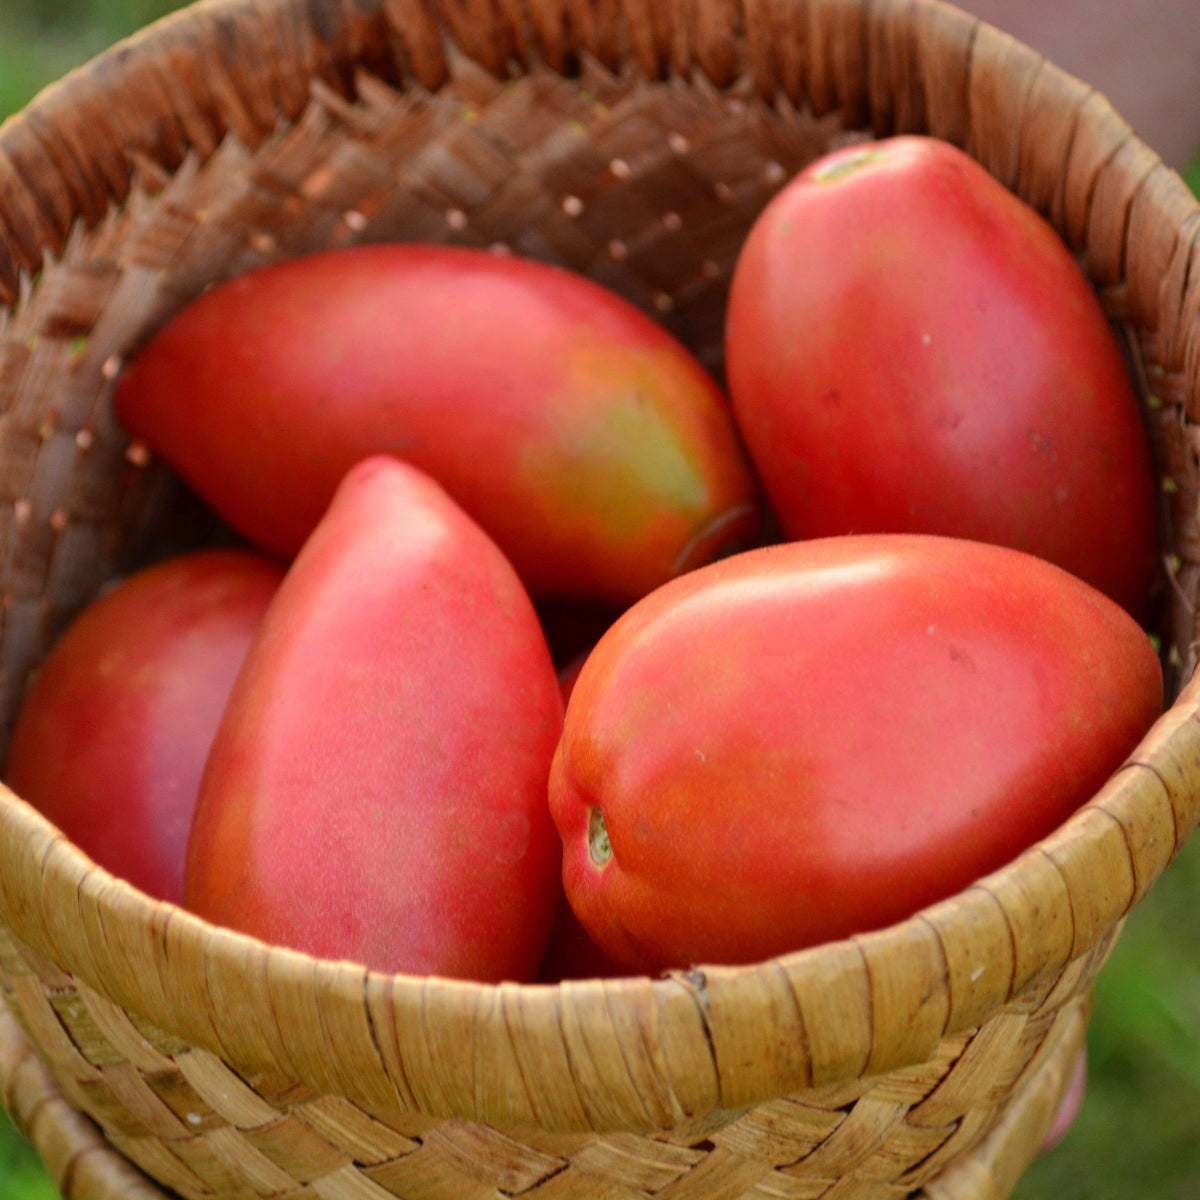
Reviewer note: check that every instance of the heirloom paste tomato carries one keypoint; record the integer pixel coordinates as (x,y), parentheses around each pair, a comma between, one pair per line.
(912,348)
(815,739)
(377,787)
(589,443)
(111,740)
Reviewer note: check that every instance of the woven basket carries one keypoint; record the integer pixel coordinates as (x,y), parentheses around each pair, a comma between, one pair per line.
(148,1054)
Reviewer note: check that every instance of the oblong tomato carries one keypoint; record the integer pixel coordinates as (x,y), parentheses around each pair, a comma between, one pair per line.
(819,738)
(111,739)
(376,790)
(588,442)
(911,348)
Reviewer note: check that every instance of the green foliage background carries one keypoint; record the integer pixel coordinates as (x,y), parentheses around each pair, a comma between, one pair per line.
(42,39)
(1139,1131)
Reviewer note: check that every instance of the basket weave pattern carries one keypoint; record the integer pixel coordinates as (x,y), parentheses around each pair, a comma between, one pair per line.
(633,142)
(187,1119)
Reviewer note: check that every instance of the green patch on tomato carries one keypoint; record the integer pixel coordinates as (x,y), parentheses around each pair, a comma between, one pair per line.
(622,456)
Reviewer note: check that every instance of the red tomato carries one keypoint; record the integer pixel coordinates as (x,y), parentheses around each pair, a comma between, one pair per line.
(589,443)
(377,787)
(111,740)
(912,348)
(816,739)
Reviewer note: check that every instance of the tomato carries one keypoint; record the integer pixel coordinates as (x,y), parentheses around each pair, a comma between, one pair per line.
(589,443)
(111,739)
(912,348)
(376,790)
(816,739)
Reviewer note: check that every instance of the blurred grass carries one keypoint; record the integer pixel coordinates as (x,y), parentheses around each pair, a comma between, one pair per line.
(40,40)
(1138,1134)
(1192,175)
(1139,1131)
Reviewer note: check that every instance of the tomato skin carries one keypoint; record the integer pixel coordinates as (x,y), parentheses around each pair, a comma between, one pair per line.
(911,348)
(377,788)
(111,739)
(815,739)
(590,444)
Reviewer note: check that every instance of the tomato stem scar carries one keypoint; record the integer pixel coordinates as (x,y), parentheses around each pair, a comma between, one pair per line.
(840,168)
(599,847)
